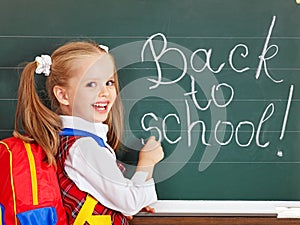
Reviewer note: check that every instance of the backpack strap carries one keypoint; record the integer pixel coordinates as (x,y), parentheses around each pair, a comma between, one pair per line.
(76,132)
(33,175)
(86,212)
(99,140)
(34,185)
(11,183)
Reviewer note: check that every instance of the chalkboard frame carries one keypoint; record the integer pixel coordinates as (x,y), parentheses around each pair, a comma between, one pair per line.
(28,29)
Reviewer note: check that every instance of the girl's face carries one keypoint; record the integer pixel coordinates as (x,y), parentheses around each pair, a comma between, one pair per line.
(91,91)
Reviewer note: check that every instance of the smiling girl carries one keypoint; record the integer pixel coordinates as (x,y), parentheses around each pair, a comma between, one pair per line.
(83,87)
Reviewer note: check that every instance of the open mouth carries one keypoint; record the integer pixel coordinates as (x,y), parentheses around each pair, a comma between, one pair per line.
(101,106)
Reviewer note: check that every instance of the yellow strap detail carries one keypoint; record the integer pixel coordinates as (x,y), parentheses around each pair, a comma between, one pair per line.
(11,180)
(0,216)
(34,186)
(99,219)
(86,214)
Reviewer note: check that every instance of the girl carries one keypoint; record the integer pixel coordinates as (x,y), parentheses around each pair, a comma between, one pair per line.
(82,85)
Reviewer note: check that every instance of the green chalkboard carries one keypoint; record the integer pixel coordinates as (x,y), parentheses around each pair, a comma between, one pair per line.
(216,81)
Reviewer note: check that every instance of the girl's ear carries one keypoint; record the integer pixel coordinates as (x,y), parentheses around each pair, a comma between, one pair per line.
(61,95)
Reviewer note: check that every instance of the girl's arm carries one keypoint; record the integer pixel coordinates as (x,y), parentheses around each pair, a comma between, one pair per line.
(149,156)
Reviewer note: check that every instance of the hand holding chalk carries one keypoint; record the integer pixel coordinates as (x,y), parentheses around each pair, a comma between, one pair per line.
(151,153)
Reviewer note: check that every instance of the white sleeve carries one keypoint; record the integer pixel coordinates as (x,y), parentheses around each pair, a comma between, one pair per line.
(94,170)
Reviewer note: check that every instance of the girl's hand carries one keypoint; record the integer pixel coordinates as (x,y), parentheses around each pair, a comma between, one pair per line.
(129,217)
(147,209)
(151,153)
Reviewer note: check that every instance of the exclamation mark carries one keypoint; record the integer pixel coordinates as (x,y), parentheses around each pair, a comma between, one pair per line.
(280,153)
(287,110)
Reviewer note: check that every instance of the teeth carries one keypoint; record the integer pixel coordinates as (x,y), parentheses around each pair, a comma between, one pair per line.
(100,104)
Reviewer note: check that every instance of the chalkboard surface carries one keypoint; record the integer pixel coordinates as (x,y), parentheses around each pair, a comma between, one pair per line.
(216,81)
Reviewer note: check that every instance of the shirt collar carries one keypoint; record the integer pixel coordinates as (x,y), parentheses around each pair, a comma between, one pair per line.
(74,122)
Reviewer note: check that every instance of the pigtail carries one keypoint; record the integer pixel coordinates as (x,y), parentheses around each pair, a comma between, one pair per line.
(115,119)
(38,123)
(115,125)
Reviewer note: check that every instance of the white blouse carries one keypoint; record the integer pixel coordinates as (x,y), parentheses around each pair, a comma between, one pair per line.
(94,170)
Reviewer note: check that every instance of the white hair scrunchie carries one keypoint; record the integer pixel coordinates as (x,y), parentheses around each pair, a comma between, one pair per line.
(104,47)
(43,64)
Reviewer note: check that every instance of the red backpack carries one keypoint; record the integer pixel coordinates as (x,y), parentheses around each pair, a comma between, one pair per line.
(29,190)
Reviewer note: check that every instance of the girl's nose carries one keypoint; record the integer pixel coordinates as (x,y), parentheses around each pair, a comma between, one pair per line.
(104,91)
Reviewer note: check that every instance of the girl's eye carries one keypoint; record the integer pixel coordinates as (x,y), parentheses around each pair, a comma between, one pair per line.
(91,84)
(110,83)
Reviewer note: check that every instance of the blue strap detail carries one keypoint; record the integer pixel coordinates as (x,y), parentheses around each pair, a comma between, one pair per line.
(2,213)
(76,132)
(41,216)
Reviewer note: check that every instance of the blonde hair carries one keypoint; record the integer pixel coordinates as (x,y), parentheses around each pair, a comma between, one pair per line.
(43,125)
